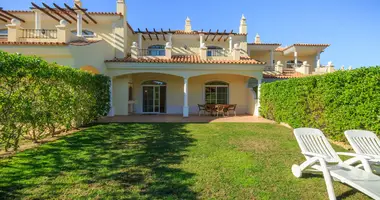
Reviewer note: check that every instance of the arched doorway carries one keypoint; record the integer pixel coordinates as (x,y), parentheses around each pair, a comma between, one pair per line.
(154,96)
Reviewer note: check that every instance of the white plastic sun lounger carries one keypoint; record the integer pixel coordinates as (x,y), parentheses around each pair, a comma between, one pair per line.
(321,157)
(366,143)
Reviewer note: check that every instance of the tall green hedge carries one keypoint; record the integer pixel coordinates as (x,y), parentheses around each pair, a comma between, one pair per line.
(333,102)
(38,98)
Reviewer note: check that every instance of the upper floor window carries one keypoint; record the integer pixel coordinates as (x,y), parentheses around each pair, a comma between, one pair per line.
(85,33)
(215,51)
(3,33)
(156,50)
(291,63)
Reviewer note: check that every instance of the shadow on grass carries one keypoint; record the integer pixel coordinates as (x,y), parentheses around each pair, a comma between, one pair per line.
(116,161)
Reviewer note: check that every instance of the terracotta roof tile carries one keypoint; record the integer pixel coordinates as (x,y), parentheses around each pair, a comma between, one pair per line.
(83,43)
(33,43)
(189,59)
(268,44)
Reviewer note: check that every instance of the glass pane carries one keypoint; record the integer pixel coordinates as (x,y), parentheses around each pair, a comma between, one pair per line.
(210,95)
(148,99)
(156,99)
(222,95)
(162,99)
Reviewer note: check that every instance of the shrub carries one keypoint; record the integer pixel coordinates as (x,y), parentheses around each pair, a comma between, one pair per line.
(38,98)
(332,102)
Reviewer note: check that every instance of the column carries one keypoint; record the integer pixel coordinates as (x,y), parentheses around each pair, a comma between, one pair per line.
(201,39)
(140,40)
(271,59)
(37,19)
(230,42)
(318,60)
(79,24)
(185,98)
(170,38)
(257,108)
(111,113)
(295,59)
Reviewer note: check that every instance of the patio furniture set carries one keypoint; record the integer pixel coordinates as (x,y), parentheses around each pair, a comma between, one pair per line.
(216,109)
(361,171)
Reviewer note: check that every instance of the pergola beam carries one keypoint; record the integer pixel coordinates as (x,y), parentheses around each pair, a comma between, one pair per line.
(148,33)
(85,13)
(44,11)
(163,34)
(232,31)
(64,11)
(55,12)
(139,31)
(4,20)
(216,33)
(72,10)
(224,32)
(6,17)
(9,14)
(155,32)
(208,35)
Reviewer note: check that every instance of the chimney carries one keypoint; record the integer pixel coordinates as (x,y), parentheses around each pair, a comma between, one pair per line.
(78,3)
(243,25)
(121,8)
(188,25)
(257,39)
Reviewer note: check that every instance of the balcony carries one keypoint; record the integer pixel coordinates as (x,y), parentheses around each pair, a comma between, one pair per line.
(217,53)
(151,52)
(39,33)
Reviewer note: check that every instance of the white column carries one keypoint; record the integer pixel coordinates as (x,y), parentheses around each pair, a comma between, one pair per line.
(111,113)
(230,42)
(37,19)
(201,39)
(170,35)
(79,24)
(185,98)
(318,60)
(295,58)
(257,108)
(272,59)
(140,40)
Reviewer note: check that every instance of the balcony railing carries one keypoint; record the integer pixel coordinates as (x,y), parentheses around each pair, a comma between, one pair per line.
(151,52)
(39,33)
(217,52)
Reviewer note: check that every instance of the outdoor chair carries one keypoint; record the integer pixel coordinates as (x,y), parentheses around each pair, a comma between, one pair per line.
(220,109)
(321,157)
(366,143)
(201,108)
(232,108)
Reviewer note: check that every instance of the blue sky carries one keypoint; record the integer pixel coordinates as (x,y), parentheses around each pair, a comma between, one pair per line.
(352,27)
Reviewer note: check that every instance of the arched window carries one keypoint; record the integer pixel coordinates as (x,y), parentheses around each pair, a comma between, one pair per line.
(216,92)
(291,63)
(156,50)
(214,51)
(85,33)
(3,33)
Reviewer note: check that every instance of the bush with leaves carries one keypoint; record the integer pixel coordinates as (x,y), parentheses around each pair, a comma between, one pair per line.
(333,102)
(38,98)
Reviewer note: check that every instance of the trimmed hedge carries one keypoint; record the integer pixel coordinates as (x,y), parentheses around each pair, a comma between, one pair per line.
(333,102)
(38,98)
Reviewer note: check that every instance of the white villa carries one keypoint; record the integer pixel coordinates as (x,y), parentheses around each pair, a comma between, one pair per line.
(157,71)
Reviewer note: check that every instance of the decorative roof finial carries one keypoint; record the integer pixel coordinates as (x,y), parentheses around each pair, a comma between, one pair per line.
(188,25)
(243,25)
(257,39)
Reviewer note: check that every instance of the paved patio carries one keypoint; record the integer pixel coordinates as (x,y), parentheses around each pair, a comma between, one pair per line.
(179,118)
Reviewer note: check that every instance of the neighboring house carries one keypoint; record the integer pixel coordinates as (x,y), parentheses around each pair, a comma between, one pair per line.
(156,71)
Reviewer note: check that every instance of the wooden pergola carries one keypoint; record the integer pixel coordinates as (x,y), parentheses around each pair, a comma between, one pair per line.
(6,16)
(58,13)
(223,36)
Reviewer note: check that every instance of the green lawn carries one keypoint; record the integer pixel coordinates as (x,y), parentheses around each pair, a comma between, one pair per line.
(165,161)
